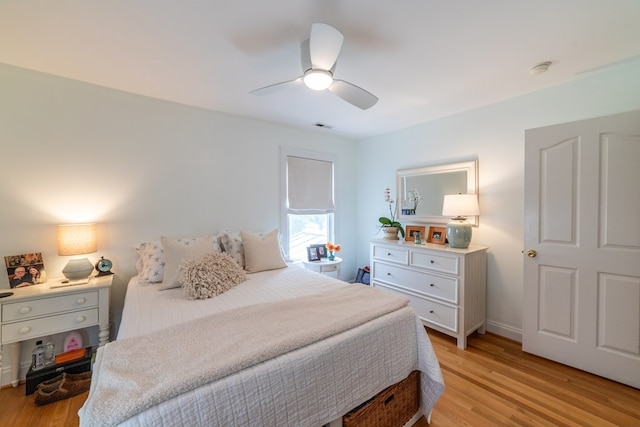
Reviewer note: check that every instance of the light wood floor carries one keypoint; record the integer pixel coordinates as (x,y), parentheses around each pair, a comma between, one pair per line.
(491,383)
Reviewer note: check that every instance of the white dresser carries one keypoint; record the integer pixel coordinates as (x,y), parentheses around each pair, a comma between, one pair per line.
(446,286)
(37,311)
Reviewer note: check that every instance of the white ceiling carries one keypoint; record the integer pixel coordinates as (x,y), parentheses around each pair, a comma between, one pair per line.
(424,59)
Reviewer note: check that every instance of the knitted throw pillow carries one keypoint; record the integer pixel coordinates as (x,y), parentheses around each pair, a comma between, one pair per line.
(209,276)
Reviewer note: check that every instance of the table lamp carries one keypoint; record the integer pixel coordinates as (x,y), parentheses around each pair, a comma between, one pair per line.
(459,207)
(77,239)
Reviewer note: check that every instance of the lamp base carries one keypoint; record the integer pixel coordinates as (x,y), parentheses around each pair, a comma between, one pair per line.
(459,233)
(78,269)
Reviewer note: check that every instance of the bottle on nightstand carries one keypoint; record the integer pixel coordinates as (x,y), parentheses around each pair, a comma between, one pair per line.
(38,356)
(49,352)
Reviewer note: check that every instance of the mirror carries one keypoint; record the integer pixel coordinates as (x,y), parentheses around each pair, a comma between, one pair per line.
(431,184)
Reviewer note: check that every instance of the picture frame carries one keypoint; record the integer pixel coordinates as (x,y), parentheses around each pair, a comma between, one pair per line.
(437,235)
(313,254)
(322,250)
(410,230)
(25,269)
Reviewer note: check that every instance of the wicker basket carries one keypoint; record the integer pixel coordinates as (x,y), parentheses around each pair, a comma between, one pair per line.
(392,407)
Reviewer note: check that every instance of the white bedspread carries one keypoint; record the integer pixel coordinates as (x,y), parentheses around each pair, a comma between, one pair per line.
(306,387)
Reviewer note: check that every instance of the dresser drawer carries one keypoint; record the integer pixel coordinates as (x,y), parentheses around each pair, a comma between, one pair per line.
(34,328)
(427,284)
(430,311)
(397,255)
(45,306)
(435,262)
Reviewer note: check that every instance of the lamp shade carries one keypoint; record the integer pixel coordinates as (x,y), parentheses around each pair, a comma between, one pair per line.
(460,205)
(77,239)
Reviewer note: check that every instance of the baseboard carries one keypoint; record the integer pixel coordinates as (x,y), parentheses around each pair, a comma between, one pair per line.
(504,330)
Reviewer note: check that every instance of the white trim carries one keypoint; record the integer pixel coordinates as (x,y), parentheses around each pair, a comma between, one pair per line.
(504,330)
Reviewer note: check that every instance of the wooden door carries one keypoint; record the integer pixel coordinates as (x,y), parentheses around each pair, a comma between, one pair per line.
(582,245)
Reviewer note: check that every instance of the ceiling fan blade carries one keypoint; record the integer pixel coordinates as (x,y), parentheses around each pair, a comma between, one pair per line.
(305,56)
(353,94)
(277,87)
(325,43)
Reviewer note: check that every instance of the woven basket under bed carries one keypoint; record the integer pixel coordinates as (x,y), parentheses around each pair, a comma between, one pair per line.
(392,407)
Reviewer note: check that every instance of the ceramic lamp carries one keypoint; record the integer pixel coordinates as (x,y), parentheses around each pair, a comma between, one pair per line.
(459,207)
(77,239)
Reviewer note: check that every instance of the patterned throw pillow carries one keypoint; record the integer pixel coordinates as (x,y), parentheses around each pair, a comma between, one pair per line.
(232,245)
(151,256)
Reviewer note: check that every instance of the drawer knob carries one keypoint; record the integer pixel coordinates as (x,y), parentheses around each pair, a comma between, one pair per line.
(388,274)
(80,319)
(388,253)
(24,310)
(432,261)
(81,300)
(431,311)
(431,284)
(24,330)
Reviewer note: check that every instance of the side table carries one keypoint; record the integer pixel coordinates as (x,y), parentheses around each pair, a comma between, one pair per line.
(38,311)
(325,266)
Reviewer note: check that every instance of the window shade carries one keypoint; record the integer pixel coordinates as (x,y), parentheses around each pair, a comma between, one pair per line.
(309,185)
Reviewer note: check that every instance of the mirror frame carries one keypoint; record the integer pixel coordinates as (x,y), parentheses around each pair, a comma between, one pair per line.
(471,167)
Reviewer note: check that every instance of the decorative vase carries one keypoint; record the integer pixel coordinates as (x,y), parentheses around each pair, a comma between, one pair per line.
(331,256)
(390,233)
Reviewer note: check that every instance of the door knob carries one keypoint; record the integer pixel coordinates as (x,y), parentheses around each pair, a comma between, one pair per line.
(531,253)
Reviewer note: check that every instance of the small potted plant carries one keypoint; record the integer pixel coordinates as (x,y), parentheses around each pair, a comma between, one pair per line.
(389,225)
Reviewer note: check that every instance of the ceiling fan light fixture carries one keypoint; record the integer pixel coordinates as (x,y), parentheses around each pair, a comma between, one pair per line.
(318,79)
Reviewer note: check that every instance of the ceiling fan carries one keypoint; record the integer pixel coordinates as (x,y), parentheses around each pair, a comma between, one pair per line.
(319,54)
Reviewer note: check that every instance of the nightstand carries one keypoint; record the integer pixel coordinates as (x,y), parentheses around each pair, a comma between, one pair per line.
(324,266)
(37,311)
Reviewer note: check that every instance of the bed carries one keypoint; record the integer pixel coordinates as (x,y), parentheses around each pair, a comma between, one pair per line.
(233,360)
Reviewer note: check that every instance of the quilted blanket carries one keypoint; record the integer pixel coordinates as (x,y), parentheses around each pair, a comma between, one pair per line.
(134,372)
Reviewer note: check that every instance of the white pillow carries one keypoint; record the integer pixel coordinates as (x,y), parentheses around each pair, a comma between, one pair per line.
(178,250)
(262,252)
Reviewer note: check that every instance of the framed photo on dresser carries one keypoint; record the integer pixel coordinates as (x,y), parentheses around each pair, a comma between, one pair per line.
(437,235)
(410,232)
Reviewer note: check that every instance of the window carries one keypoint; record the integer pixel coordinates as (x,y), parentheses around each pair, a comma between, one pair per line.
(307,200)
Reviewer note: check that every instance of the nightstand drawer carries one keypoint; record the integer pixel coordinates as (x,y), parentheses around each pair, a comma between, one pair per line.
(34,328)
(435,262)
(430,285)
(430,311)
(51,305)
(397,255)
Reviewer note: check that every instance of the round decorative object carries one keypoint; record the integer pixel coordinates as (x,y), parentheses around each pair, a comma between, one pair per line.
(104,266)
(459,233)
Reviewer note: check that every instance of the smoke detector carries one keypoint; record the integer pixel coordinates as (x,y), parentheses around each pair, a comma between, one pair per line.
(540,68)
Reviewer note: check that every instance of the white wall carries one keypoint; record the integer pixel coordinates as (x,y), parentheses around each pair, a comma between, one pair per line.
(495,136)
(141,168)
